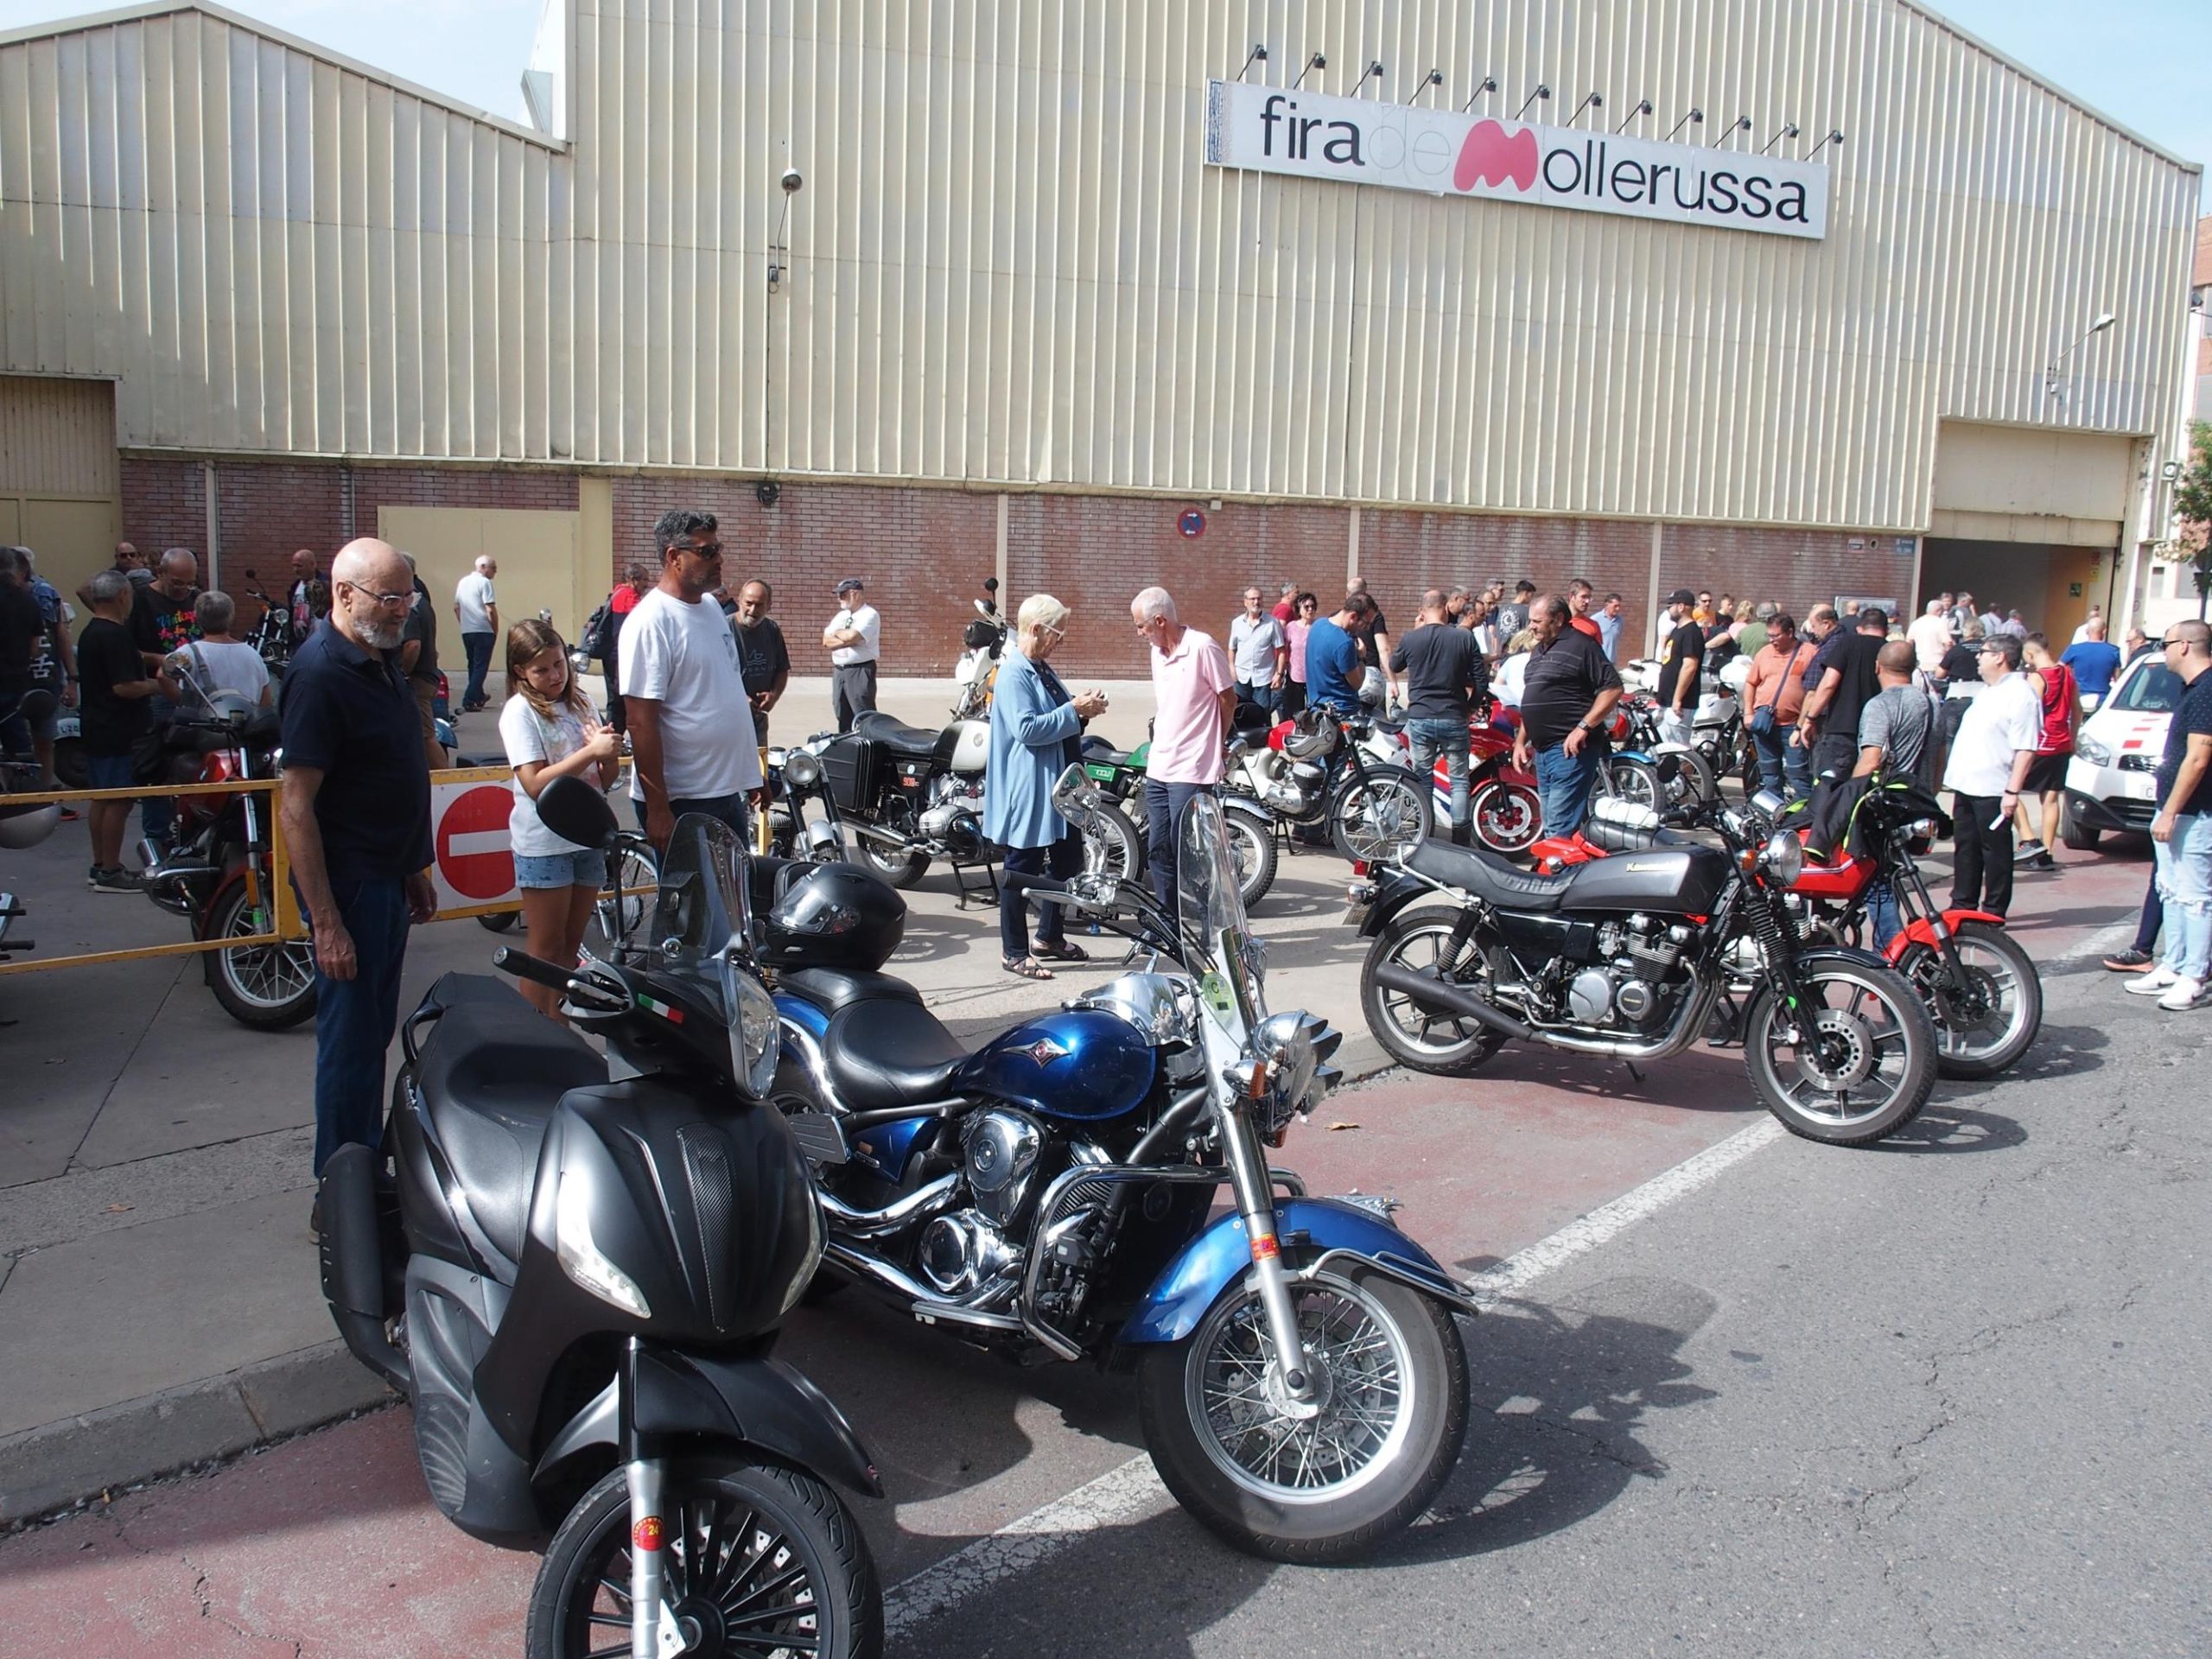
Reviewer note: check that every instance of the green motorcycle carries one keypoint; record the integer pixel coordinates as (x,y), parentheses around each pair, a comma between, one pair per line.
(1119,778)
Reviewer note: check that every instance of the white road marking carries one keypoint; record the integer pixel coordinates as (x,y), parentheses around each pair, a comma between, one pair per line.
(1132,1491)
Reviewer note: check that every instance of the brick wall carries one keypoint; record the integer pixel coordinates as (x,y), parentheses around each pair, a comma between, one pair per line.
(1403,554)
(1792,568)
(164,504)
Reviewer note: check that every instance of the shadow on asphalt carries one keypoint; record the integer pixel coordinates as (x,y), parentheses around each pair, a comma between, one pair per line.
(1945,1126)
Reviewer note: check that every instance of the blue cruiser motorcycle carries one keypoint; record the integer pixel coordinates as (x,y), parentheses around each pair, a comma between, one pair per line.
(1302,1384)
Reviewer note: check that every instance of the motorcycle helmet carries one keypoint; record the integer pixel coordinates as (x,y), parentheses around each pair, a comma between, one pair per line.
(833,916)
(1373,688)
(1249,719)
(24,826)
(1312,736)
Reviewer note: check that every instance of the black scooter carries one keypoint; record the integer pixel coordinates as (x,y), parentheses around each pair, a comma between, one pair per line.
(577,1283)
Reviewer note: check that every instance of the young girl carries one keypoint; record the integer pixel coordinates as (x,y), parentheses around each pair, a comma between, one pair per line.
(550,730)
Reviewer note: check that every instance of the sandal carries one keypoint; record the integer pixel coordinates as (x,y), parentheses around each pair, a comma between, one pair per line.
(1026,968)
(1063,952)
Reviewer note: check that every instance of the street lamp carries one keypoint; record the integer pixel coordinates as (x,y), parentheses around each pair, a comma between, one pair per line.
(2050,382)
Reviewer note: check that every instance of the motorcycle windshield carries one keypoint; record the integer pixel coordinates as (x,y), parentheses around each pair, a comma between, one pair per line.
(704,903)
(1212,911)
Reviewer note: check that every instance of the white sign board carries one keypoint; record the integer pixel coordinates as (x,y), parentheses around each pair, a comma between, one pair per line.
(1352,141)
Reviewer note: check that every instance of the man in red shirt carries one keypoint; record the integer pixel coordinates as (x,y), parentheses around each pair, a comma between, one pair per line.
(2061,715)
(1287,606)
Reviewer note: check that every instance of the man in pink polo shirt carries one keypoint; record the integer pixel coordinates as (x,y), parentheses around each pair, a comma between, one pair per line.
(1195,692)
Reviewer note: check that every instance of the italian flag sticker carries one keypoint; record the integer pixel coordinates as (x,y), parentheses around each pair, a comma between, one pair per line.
(674,1016)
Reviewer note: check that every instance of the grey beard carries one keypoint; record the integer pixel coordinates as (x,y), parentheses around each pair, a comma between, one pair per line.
(383,635)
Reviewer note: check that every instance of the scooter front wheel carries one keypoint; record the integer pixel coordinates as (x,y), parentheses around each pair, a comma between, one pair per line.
(1328,1478)
(754,1553)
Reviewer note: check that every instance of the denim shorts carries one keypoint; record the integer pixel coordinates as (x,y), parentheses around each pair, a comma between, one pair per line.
(108,772)
(585,867)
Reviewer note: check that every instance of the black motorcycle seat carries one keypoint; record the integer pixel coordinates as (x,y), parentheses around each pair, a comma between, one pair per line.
(835,990)
(1482,873)
(889,1053)
(490,1074)
(909,742)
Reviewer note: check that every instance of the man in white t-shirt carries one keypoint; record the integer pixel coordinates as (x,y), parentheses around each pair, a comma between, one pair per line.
(854,640)
(477,610)
(221,661)
(683,691)
(1987,770)
(1930,634)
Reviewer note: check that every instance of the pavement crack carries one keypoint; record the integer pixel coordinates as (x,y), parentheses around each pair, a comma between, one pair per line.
(1598,1447)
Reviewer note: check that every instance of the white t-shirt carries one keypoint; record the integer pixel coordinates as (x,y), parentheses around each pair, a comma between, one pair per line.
(2005,718)
(685,657)
(1505,684)
(871,627)
(1931,638)
(235,666)
(474,599)
(529,736)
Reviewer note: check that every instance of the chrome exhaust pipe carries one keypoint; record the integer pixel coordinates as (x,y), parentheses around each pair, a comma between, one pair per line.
(924,1303)
(874,1223)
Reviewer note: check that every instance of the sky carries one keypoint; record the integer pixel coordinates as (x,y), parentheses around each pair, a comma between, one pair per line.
(2142,62)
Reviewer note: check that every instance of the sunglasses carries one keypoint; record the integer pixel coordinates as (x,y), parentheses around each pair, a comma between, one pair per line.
(711,551)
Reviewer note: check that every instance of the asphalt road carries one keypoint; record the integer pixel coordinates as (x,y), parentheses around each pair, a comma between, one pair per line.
(1940,1396)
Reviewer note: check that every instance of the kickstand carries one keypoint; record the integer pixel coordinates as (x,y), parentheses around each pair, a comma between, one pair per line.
(1632,1072)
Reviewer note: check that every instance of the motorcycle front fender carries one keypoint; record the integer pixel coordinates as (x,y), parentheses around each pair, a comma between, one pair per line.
(761,1403)
(1308,1229)
(1920,931)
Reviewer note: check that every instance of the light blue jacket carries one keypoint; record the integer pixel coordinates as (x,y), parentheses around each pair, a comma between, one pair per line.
(1029,740)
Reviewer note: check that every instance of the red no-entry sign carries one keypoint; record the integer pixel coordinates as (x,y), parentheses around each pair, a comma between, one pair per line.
(473,855)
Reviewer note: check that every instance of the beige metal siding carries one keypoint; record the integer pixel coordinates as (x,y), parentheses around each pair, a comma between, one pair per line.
(1009,265)
(57,437)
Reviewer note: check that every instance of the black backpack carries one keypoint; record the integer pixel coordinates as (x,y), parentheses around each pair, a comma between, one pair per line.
(600,630)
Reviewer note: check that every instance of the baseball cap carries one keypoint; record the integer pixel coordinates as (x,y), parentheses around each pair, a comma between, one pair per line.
(850,583)
(1681,596)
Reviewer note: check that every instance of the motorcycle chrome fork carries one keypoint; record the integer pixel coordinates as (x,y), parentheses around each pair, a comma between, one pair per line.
(1254,1193)
(648,1533)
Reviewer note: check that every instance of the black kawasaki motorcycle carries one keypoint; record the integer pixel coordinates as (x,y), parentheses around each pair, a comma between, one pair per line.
(1628,956)
(577,1284)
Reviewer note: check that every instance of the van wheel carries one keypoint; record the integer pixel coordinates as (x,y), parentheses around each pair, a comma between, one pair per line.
(2075,834)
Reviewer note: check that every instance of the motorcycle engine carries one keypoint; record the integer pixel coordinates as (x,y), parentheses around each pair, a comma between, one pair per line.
(960,1252)
(1289,787)
(954,819)
(1639,958)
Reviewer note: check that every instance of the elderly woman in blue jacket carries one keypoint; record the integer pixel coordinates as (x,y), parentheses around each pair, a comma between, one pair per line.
(1036,734)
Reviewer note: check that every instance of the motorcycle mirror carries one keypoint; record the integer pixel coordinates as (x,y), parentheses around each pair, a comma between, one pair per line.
(575,811)
(1075,800)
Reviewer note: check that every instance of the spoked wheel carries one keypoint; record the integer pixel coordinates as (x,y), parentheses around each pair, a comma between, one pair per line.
(1383,816)
(1110,847)
(614,922)
(1985,1025)
(1854,1063)
(1506,817)
(1685,781)
(901,868)
(761,1561)
(1252,845)
(1417,1036)
(267,987)
(1634,781)
(1329,1477)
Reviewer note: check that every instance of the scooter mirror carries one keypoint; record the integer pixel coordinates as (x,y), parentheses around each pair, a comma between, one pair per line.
(575,811)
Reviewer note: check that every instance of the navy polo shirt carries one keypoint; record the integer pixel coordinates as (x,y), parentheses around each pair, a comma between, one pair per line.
(351,715)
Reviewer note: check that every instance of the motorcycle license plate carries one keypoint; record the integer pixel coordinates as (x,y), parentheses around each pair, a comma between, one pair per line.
(1359,901)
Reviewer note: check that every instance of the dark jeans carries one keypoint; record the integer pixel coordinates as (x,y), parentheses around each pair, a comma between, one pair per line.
(1783,766)
(2154,915)
(1024,867)
(1982,874)
(732,810)
(1163,810)
(354,1018)
(1836,752)
(478,647)
(157,813)
(852,691)
(1259,695)
(1563,785)
(1293,699)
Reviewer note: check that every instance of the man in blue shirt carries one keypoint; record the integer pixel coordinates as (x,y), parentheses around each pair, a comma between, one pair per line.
(356,813)
(1332,665)
(2095,660)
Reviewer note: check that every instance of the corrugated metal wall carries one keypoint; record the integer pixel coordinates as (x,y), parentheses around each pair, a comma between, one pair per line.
(57,437)
(1008,264)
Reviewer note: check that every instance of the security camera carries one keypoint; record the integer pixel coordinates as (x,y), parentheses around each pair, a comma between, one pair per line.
(791,181)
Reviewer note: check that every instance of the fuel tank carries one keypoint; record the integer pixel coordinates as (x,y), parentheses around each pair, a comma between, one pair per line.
(1083,1066)
(1676,881)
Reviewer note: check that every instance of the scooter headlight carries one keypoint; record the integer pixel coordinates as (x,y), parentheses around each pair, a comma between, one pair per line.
(802,770)
(1785,858)
(758,1038)
(579,1253)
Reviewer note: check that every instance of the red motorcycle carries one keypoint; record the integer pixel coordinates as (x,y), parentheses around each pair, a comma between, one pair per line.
(1980,987)
(1501,797)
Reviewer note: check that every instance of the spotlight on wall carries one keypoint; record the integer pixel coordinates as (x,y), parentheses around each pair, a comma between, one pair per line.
(1436,78)
(1542,94)
(1595,101)
(1317,61)
(1489,84)
(767,493)
(1695,119)
(1787,130)
(1835,137)
(1741,123)
(1257,55)
(1373,71)
(1643,107)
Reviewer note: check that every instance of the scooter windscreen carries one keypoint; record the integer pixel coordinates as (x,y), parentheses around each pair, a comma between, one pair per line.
(702,923)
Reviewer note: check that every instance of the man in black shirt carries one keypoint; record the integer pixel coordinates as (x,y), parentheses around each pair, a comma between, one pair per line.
(1446,677)
(2181,831)
(115,693)
(23,630)
(356,808)
(1567,697)
(1681,661)
(418,660)
(1371,634)
(1509,619)
(763,661)
(1847,683)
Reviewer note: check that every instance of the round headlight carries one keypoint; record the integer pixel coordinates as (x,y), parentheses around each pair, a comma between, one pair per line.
(803,770)
(1785,858)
